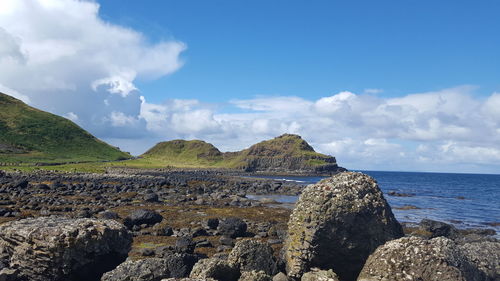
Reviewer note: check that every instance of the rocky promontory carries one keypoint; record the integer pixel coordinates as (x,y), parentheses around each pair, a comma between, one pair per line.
(284,154)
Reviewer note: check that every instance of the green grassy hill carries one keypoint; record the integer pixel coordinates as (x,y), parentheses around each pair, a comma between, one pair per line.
(184,153)
(29,135)
(284,153)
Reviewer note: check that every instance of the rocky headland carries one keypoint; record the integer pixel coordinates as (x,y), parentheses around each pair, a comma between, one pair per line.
(131,224)
(286,154)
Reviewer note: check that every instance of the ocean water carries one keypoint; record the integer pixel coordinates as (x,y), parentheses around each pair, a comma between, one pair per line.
(464,200)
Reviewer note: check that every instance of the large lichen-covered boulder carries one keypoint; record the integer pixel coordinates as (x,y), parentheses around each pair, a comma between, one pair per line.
(248,255)
(415,258)
(486,256)
(336,224)
(59,248)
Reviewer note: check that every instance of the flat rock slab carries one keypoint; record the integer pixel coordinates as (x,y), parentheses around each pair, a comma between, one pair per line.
(60,248)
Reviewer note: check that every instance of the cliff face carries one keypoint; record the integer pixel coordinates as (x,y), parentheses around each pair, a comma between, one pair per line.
(287,164)
(284,154)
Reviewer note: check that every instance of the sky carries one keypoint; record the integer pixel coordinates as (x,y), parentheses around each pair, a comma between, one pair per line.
(380,85)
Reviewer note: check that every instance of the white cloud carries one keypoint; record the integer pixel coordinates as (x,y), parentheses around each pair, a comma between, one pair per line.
(71,116)
(61,56)
(276,104)
(373,91)
(120,119)
(335,103)
(86,69)
(14,93)
(118,84)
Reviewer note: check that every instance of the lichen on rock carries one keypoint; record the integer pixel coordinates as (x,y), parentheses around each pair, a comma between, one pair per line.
(415,258)
(57,248)
(336,224)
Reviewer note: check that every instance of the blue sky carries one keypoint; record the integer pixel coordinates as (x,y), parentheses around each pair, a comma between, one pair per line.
(381,85)
(239,49)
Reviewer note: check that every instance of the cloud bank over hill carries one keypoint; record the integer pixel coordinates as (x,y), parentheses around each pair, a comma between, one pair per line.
(60,56)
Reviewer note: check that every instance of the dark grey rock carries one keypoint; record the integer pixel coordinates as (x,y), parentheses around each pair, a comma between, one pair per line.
(226,241)
(8,274)
(280,277)
(139,217)
(21,184)
(437,228)
(185,245)
(232,227)
(164,231)
(147,252)
(109,215)
(151,197)
(212,223)
(248,255)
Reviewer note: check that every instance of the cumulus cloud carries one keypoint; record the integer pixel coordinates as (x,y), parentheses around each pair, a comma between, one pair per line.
(71,116)
(59,55)
(86,70)
(447,130)
(427,131)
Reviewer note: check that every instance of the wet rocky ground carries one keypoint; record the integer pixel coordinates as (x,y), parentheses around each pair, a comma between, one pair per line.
(190,203)
(177,217)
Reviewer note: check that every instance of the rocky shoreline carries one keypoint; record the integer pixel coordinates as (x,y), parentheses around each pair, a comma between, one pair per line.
(200,224)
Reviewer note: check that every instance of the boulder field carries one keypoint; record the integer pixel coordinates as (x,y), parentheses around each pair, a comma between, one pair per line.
(341,229)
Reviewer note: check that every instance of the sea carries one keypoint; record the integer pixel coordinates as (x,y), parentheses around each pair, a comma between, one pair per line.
(464,200)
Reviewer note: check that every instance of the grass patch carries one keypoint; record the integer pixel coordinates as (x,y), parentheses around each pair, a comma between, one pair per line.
(29,135)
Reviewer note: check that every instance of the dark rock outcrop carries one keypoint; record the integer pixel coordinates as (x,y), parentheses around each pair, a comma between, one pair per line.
(248,255)
(336,224)
(139,217)
(437,228)
(292,164)
(232,227)
(284,154)
(415,258)
(58,248)
(288,153)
